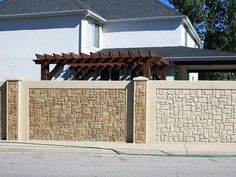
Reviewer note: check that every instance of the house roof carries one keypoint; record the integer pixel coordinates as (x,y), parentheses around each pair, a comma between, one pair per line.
(185,53)
(20,7)
(121,9)
(109,9)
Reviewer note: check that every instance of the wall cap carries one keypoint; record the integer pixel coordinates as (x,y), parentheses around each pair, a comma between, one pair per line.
(140,78)
(13,79)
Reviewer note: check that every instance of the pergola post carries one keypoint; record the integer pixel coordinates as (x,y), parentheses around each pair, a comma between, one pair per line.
(147,69)
(44,71)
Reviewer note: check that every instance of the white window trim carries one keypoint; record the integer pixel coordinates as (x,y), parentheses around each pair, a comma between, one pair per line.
(87,36)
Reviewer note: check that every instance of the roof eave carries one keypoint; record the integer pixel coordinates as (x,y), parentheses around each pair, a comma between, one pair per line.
(147,19)
(192,30)
(202,58)
(86,13)
(95,17)
(44,14)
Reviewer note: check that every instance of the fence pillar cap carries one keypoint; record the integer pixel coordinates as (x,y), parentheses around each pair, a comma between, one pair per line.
(140,78)
(13,79)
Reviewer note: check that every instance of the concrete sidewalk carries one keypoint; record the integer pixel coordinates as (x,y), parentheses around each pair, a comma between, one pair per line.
(212,149)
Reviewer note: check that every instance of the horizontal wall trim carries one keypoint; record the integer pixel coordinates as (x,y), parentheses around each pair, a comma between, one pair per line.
(202,85)
(76,84)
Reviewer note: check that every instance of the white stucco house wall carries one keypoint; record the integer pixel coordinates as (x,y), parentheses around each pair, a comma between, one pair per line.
(28,27)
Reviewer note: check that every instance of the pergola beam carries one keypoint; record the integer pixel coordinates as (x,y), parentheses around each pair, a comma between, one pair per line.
(95,61)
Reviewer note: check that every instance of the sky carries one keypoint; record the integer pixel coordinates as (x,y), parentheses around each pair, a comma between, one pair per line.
(166,2)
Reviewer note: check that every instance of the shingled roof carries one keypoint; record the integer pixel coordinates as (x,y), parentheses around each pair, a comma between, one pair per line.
(183,53)
(119,9)
(109,9)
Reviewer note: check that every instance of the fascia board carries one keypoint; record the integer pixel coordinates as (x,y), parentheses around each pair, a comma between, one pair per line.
(164,18)
(192,30)
(86,13)
(202,58)
(44,14)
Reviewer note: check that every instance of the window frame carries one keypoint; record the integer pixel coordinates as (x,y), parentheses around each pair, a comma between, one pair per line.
(91,35)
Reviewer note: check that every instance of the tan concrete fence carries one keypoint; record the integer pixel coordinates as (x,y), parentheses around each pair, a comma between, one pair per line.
(139,111)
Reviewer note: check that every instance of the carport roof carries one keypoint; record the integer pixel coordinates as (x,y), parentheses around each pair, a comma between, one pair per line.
(181,53)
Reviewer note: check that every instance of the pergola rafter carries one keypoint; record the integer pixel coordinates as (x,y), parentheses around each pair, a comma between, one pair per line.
(98,61)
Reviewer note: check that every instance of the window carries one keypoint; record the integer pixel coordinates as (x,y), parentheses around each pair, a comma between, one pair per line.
(93,35)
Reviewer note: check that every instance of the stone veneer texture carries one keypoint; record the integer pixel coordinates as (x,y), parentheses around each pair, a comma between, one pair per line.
(196,116)
(140,122)
(77,114)
(12,110)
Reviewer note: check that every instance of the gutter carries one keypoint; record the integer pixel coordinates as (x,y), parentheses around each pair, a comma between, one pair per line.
(202,58)
(147,19)
(86,13)
(192,30)
(95,17)
(44,14)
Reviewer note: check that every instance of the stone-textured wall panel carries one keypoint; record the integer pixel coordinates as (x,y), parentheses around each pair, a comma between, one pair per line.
(139,117)
(195,115)
(77,114)
(12,102)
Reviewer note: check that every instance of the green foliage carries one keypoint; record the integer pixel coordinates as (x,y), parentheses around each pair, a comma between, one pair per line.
(215,22)
(225,76)
(193,9)
(220,25)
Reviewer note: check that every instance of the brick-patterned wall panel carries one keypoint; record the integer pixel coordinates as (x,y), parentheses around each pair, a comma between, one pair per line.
(139,117)
(12,93)
(77,114)
(196,115)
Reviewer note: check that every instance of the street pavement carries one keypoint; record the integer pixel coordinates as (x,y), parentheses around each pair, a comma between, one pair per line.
(98,159)
(38,164)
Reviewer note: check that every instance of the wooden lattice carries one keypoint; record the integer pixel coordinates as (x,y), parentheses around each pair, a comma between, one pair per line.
(98,61)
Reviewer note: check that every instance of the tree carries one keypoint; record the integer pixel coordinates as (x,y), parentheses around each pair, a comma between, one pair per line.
(193,9)
(215,22)
(220,25)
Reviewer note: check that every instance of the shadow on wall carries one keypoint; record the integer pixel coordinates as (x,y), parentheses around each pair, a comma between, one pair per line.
(40,23)
(141,26)
(3,125)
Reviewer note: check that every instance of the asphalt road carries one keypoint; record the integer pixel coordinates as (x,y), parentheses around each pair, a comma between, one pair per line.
(32,164)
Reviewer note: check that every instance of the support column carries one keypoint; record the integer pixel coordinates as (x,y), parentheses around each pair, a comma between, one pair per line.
(12,108)
(44,71)
(140,86)
(147,69)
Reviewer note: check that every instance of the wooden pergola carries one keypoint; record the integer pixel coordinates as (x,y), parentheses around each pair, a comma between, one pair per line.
(84,64)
